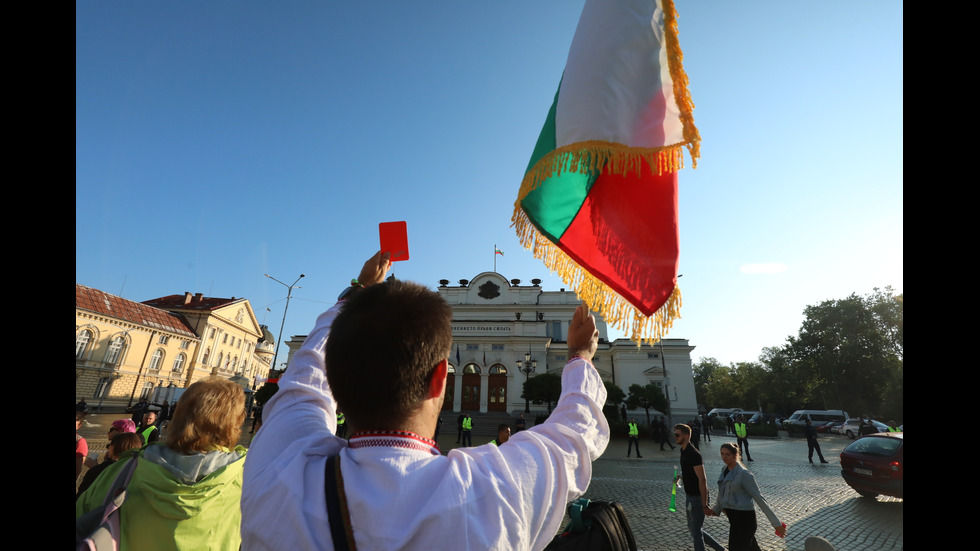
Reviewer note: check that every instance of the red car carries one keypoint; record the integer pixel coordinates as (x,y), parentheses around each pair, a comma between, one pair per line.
(874,464)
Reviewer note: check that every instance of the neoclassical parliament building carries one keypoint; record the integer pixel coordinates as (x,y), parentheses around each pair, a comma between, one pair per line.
(505,331)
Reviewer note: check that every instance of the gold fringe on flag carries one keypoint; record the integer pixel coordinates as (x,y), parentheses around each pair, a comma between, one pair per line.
(593,156)
(682,96)
(600,298)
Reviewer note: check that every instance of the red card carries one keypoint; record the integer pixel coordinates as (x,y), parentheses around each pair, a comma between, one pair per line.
(394,239)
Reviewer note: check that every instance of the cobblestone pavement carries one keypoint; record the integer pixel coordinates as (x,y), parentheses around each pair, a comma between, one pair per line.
(812,500)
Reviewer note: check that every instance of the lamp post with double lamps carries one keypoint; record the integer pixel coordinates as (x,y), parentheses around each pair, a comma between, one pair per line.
(527,367)
(289,295)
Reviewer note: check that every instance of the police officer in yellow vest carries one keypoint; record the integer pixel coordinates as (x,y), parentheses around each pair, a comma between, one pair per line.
(741,433)
(341,424)
(467,430)
(149,430)
(634,438)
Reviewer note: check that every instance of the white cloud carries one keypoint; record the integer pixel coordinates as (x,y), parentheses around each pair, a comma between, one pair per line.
(765,268)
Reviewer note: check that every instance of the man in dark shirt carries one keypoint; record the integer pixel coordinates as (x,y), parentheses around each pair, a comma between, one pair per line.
(696,488)
(811,441)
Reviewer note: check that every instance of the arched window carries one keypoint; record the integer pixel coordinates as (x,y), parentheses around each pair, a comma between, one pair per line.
(116,346)
(156,359)
(452,368)
(221,356)
(82,340)
(207,354)
(498,369)
(471,368)
(179,363)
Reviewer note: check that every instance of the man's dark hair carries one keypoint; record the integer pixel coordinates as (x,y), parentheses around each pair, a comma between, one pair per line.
(383,347)
(685,430)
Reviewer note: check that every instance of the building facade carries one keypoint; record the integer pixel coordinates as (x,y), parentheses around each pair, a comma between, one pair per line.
(501,328)
(124,350)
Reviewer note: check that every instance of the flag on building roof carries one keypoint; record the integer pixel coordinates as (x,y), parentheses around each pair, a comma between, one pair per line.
(598,202)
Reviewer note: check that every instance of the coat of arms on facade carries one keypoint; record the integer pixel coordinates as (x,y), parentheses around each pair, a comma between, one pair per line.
(489,290)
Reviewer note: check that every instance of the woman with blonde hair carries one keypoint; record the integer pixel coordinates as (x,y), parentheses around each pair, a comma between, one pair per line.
(185,492)
(737,490)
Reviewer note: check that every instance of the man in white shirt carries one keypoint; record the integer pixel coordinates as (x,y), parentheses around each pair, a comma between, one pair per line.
(388,350)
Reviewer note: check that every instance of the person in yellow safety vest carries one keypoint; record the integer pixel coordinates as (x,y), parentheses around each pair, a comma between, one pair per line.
(742,434)
(149,430)
(467,430)
(892,426)
(503,434)
(634,438)
(341,425)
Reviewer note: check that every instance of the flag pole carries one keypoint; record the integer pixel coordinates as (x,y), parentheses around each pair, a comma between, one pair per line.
(494,257)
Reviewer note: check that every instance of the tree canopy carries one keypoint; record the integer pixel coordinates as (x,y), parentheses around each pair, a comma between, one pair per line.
(543,389)
(847,355)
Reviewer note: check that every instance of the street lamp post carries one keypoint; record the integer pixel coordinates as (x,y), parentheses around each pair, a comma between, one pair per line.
(527,367)
(289,295)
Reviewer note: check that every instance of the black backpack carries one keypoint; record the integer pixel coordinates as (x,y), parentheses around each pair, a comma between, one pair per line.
(595,526)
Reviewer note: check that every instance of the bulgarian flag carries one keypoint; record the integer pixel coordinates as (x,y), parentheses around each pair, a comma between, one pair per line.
(598,203)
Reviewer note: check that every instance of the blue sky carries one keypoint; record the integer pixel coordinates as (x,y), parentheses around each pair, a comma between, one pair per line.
(216,142)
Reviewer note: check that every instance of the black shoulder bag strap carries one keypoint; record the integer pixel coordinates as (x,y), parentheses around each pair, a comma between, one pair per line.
(337,513)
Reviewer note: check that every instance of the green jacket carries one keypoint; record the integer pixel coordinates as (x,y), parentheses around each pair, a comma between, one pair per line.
(176,501)
(634,430)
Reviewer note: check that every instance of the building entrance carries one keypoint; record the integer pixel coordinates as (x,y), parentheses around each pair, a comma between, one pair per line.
(497,388)
(470,400)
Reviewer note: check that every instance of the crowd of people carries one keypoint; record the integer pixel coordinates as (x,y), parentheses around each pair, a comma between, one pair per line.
(304,483)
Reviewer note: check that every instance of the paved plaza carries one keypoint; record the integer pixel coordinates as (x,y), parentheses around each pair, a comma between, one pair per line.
(812,500)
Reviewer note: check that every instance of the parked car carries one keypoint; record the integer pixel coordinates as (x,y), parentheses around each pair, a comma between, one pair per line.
(851,426)
(797,421)
(830,427)
(874,464)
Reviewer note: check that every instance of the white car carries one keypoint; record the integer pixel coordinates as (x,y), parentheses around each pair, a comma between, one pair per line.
(851,426)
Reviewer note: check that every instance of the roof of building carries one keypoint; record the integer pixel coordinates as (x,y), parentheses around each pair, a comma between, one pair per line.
(100,302)
(188,301)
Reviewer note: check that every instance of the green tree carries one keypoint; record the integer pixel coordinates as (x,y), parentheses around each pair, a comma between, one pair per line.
(614,394)
(543,389)
(647,397)
(850,352)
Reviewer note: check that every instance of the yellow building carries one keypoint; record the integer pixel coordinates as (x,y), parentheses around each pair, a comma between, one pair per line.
(124,350)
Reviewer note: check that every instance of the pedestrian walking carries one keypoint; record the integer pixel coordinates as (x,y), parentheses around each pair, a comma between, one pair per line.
(664,435)
(696,488)
(706,427)
(737,489)
(811,442)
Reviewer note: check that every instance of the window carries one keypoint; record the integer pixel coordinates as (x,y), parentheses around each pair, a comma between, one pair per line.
(452,368)
(471,368)
(179,363)
(156,359)
(498,369)
(114,353)
(81,343)
(207,353)
(102,389)
(224,339)
(472,347)
(184,345)
(212,333)
(147,390)
(556,330)
(221,356)
(163,339)
(496,347)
